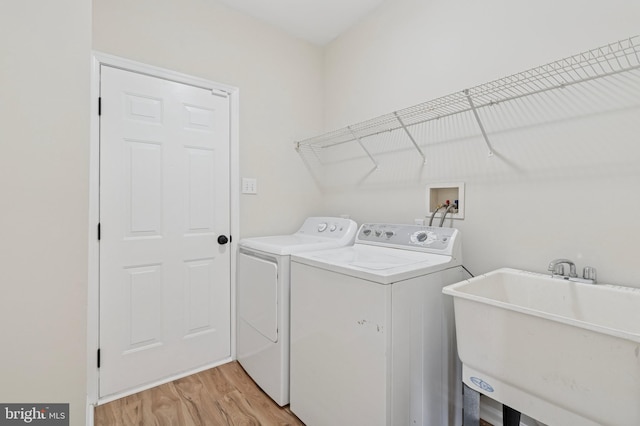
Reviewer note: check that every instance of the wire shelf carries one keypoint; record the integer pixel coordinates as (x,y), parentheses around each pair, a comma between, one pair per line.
(611,59)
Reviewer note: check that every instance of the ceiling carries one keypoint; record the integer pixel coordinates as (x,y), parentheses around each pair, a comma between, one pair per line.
(317,21)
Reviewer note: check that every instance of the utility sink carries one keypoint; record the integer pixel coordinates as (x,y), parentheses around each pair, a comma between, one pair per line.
(562,352)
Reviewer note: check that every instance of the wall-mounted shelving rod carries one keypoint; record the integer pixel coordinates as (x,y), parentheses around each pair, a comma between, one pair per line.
(364,148)
(475,113)
(413,141)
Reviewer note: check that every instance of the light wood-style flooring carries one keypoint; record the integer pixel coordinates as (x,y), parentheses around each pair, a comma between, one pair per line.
(224,395)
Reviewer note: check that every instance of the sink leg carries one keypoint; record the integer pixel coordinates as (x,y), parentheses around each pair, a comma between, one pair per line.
(471,407)
(510,417)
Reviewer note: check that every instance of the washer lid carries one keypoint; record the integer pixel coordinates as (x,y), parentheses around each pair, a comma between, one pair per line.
(382,265)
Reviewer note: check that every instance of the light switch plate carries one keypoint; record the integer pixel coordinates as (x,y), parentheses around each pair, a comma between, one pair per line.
(249,186)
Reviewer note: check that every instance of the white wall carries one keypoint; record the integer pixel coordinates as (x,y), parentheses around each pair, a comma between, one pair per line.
(44,149)
(564,180)
(280,82)
(44,130)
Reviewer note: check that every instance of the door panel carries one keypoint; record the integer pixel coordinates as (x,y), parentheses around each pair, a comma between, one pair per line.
(143,188)
(164,199)
(197,307)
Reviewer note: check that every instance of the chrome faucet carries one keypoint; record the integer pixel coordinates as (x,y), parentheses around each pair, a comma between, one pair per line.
(556,267)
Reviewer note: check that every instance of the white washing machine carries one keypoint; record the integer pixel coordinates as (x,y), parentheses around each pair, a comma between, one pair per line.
(372,336)
(263,277)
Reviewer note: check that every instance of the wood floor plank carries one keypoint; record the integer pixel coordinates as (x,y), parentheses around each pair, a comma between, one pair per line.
(126,411)
(268,412)
(237,411)
(199,401)
(163,406)
(215,382)
(222,396)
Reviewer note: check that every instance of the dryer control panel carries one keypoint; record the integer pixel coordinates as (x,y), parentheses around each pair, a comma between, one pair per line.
(412,237)
(329,227)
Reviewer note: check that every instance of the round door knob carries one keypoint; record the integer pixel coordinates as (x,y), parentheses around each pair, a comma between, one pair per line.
(222,239)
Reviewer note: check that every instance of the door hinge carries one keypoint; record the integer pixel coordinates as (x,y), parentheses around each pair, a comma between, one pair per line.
(98,358)
(100,106)
(221,93)
(98,231)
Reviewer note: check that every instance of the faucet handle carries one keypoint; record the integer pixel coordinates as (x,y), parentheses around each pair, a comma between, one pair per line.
(557,269)
(589,273)
(553,267)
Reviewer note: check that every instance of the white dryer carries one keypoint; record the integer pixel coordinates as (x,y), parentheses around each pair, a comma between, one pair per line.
(263,287)
(372,336)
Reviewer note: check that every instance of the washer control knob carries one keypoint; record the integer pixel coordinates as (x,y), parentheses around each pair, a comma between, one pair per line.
(378,232)
(333,227)
(389,234)
(322,227)
(366,232)
(423,238)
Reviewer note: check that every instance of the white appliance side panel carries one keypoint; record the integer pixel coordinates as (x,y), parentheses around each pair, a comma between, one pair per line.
(340,328)
(258,294)
(266,362)
(426,387)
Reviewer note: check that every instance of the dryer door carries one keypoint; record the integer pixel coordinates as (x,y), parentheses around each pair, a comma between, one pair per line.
(258,294)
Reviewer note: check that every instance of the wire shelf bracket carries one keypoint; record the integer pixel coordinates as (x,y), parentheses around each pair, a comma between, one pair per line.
(475,113)
(364,148)
(413,141)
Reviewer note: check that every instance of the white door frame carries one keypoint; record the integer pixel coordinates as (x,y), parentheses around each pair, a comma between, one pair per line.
(93,302)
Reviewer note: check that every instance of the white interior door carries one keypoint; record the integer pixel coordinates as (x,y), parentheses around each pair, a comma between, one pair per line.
(164,200)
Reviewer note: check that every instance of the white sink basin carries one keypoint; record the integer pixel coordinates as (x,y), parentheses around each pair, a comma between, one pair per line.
(564,353)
